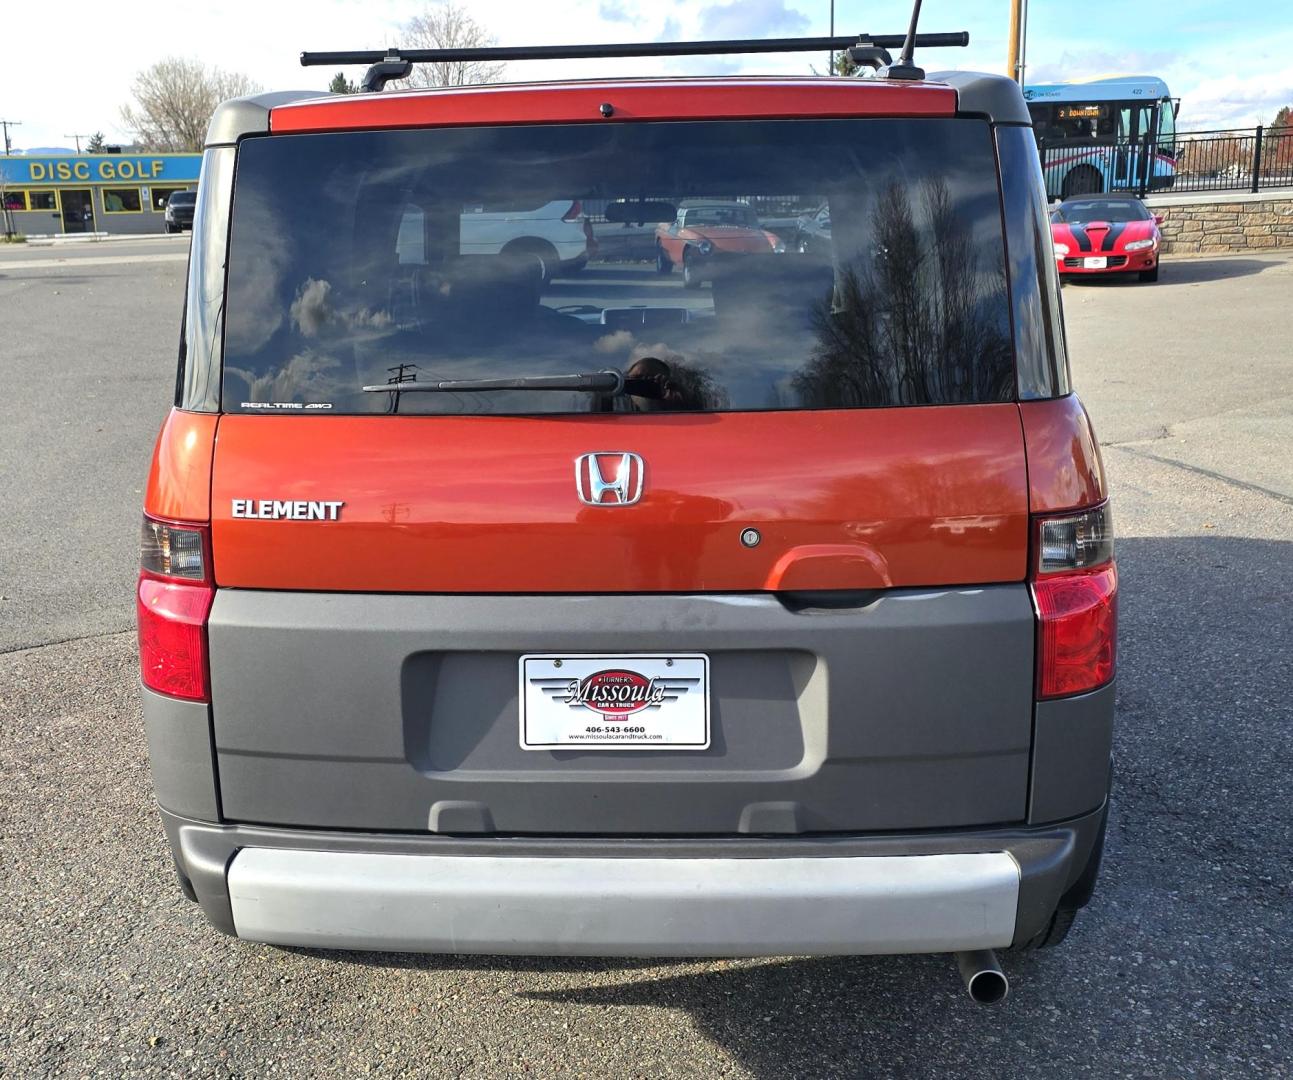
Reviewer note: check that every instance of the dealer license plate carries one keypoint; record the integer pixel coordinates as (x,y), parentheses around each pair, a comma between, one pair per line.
(1095,262)
(650,701)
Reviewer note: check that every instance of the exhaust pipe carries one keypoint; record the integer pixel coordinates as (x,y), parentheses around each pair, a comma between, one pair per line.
(984,980)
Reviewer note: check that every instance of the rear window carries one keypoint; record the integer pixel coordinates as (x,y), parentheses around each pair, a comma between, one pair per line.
(752,265)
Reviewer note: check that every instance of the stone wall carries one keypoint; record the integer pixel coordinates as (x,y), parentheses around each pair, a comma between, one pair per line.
(1221,223)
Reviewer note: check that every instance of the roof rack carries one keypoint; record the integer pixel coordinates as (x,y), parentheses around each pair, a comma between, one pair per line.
(870,49)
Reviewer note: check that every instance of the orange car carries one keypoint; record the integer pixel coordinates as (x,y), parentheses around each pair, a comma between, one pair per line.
(489,609)
(703,233)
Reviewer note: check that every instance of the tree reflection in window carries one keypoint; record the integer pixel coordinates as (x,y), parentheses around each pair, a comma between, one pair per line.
(916,324)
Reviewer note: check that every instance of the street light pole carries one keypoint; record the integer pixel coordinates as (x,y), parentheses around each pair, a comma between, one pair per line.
(1023,46)
(831,70)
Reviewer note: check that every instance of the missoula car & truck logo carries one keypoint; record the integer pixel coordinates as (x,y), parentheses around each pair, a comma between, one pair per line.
(615,693)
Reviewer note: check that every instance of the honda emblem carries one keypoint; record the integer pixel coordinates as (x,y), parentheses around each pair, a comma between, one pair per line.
(609,478)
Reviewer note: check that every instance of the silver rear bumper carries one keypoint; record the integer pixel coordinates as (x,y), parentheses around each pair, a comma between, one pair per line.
(625,906)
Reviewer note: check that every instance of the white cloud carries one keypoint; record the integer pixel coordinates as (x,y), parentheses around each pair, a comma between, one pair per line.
(615,11)
(751,18)
(263,39)
(314,312)
(1228,101)
(97,61)
(1096,63)
(1208,100)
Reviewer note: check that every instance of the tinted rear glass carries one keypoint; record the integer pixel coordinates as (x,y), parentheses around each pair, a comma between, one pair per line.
(688,256)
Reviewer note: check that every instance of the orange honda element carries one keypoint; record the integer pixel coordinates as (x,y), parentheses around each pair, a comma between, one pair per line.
(490,609)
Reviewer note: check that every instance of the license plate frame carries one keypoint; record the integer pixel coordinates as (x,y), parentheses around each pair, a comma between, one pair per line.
(1095,262)
(651,701)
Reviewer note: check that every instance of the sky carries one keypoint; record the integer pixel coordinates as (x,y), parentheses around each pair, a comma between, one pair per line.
(1230,62)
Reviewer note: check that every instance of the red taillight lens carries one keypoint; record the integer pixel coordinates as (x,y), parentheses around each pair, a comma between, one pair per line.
(1075,590)
(1077,637)
(172,604)
(173,637)
(576,209)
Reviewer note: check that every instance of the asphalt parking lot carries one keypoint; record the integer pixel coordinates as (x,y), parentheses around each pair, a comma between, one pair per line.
(1174,971)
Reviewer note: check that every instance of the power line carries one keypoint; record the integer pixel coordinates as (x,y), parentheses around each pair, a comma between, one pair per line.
(7,124)
(78,138)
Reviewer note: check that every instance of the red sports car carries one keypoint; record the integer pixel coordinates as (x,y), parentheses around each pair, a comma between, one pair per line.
(703,232)
(1106,235)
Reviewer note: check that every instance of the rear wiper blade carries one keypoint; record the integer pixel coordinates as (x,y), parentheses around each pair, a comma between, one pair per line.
(592,382)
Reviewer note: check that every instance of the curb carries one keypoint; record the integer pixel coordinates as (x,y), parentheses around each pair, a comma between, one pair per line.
(62,240)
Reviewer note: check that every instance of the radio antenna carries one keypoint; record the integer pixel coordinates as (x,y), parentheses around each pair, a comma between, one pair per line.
(905,69)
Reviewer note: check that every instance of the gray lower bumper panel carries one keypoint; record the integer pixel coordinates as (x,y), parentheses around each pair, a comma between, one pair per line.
(625,906)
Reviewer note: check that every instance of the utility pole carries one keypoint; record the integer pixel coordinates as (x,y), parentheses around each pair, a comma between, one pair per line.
(7,124)
(78,138)
(1014,66)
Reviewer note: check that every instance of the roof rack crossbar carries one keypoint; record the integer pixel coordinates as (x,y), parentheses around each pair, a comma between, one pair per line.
(645,48)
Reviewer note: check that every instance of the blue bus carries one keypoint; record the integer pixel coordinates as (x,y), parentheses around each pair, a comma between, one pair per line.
(1111,134)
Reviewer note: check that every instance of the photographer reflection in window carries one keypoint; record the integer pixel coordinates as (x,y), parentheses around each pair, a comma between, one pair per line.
(656,385)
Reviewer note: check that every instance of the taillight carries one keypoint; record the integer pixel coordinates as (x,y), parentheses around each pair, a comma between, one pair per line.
(172,551)
(173,601)
(1075,591)
(573,214)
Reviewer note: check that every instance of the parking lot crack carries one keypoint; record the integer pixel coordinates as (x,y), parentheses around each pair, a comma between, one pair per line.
(33,646)
(1199,470)
(1173,430)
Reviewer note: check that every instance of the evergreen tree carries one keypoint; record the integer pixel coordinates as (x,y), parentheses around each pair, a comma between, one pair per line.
(845,64)
(341,85)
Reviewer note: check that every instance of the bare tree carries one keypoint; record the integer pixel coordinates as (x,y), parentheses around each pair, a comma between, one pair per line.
(448,26)
(174,100)
(5,216)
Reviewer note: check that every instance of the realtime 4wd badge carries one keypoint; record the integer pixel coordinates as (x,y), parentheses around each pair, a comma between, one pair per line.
(655,701)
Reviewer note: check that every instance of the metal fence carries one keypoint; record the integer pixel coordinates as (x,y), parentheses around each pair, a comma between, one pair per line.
(1234,160)
(1249,159)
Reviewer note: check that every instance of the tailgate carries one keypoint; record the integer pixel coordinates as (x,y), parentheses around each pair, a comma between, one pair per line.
(842,499)
(364,669)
